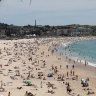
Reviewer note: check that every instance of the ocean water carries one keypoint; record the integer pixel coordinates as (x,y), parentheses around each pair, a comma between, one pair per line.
(84,50)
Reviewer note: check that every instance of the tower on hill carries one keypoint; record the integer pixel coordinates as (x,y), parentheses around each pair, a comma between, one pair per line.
(35,23)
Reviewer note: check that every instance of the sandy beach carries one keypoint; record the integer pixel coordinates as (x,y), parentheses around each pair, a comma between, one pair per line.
(28,67)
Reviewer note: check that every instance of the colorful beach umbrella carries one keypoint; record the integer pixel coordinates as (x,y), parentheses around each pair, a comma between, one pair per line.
(27,81)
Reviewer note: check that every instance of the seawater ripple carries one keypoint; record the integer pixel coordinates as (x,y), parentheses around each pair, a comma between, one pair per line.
(83,49)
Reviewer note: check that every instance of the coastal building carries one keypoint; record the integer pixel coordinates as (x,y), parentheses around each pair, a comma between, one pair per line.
(73,31)
(80,31)
(64,32)
(2,32)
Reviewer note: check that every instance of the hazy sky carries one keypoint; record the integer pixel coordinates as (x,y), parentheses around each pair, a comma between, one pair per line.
(48,12)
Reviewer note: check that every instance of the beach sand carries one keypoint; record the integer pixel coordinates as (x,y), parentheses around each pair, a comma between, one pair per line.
(33,60)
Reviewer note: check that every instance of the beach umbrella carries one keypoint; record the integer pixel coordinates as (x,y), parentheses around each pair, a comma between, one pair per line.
(17,70)
(11,73)
(50,75)
(27,81)
(5,59)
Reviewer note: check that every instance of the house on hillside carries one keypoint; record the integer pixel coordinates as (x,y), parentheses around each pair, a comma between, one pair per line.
(62,32)
(80,31)
(2,32)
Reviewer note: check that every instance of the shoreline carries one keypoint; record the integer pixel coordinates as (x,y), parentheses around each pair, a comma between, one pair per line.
(75,58)
(79,65)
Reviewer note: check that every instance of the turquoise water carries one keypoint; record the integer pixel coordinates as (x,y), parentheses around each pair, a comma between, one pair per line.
(84,49)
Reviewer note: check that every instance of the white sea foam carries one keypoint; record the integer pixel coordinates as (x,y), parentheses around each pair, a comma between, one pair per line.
(91,64)
(66,44)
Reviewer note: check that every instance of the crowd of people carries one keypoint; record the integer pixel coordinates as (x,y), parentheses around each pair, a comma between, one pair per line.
(32,67)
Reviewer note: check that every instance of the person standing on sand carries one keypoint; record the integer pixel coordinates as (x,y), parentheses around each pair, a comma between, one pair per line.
(9,94)
(85,63)
(41,84)
(73,73)
(60,66)
(67,66)
(68,89)
(67,74)
(73,66)
(26,93)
